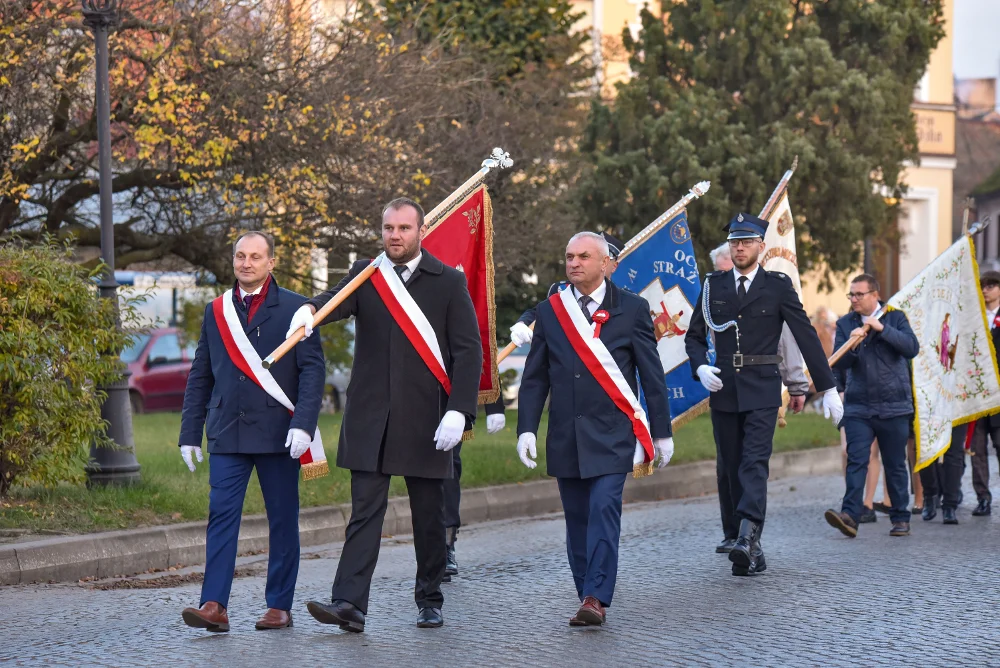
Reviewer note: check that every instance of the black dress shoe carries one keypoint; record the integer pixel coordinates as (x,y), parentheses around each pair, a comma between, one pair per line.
(948,514)
(429,618)
(868,516)
(900,529)
(747,550)
(984,508)
(451,565)
(343,614)
(881,507)
(726,546)
(930,508)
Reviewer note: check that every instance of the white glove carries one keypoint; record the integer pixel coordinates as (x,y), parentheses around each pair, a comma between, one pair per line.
(302,318)
(520,334)
(495,423)
(449,432)
(298,440)
(708,375)
(833,407)
(526,449)
(187,451)
(664,449)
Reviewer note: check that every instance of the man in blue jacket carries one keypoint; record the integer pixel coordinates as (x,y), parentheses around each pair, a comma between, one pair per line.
(878,402)
(590,343)
(248,428)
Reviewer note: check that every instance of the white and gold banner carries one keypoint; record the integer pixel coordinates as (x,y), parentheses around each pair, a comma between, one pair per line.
(779,243)
(955,376)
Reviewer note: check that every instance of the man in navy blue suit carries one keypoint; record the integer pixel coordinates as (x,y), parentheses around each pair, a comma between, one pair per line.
(248,428)
(590,343)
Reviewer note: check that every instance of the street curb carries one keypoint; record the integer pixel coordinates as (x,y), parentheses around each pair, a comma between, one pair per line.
(122,553)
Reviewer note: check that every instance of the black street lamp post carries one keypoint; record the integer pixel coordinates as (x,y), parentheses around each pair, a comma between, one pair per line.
(118,465)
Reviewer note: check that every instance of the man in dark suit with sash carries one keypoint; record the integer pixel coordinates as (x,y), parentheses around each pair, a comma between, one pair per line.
(414,390)
(246,413)
(591,342)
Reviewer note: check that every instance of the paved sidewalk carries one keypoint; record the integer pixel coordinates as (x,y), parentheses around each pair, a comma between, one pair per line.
(927,600)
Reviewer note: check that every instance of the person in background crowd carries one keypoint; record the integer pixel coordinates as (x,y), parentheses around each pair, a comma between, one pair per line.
(878,402)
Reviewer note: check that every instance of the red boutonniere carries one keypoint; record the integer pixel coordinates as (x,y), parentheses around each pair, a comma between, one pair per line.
(600,317)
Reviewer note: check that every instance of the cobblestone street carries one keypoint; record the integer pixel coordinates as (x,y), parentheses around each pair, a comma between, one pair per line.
(926,600)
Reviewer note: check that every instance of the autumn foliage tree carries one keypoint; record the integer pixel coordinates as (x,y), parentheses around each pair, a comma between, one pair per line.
(226,114)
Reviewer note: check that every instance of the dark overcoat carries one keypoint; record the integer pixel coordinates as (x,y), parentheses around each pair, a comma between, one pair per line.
(588,435)
(392,393)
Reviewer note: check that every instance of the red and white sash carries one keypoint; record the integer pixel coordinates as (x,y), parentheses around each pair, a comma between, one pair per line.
(410,319)
(247,360)
(598,360)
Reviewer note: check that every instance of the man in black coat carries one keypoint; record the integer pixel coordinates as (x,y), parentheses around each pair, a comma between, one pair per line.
(878,401)
(398,408)
(591,444)
(988,426)
(748,306)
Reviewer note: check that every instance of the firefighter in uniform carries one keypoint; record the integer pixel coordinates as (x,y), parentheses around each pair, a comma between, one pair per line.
(746,307)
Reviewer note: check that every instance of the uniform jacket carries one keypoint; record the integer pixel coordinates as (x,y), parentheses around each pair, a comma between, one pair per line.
(878,370)
(392,393)
(238,417)
(770,301)
(588,435)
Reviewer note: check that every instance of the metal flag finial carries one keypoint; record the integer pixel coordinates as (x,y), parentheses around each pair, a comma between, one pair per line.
(499,158)
(701,188)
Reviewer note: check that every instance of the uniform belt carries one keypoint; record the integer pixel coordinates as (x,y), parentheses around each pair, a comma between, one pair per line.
(754,360)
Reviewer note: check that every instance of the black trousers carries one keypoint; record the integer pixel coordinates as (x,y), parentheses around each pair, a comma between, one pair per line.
(981,457)
(743,443)
(944,479)
(369,500)
(453,492)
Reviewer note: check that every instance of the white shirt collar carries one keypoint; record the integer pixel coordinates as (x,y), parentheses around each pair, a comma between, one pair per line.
(750,276)
(411,266)
(255,292)
(597,295)
(991,316)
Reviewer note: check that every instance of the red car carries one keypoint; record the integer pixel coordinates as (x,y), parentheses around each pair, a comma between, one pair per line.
(160,365)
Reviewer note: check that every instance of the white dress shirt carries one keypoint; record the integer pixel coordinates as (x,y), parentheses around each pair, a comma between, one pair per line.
(991,316)
(255,292)
(411,267)
(596,297)
(750,277)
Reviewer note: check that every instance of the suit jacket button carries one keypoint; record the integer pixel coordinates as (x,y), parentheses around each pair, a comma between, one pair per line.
(737,371)
(242,414)
(576,375)
(740,317)
(579,417)
(242,378)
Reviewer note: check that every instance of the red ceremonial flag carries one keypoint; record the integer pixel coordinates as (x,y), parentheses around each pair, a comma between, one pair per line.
(463,239)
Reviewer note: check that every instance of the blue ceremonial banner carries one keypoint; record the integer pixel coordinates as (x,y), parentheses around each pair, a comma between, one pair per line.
(662,268)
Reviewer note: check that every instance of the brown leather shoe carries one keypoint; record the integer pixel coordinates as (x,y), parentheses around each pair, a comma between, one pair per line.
(274,619)
(211,617)
(591,613)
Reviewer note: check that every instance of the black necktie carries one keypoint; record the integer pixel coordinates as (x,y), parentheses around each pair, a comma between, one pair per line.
(399,269)
(742,290)
(584,302)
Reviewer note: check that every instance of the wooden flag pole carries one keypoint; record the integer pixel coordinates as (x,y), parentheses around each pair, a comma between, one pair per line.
(498,158)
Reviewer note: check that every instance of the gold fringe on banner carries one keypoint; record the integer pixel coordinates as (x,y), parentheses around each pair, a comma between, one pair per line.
(314,470)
